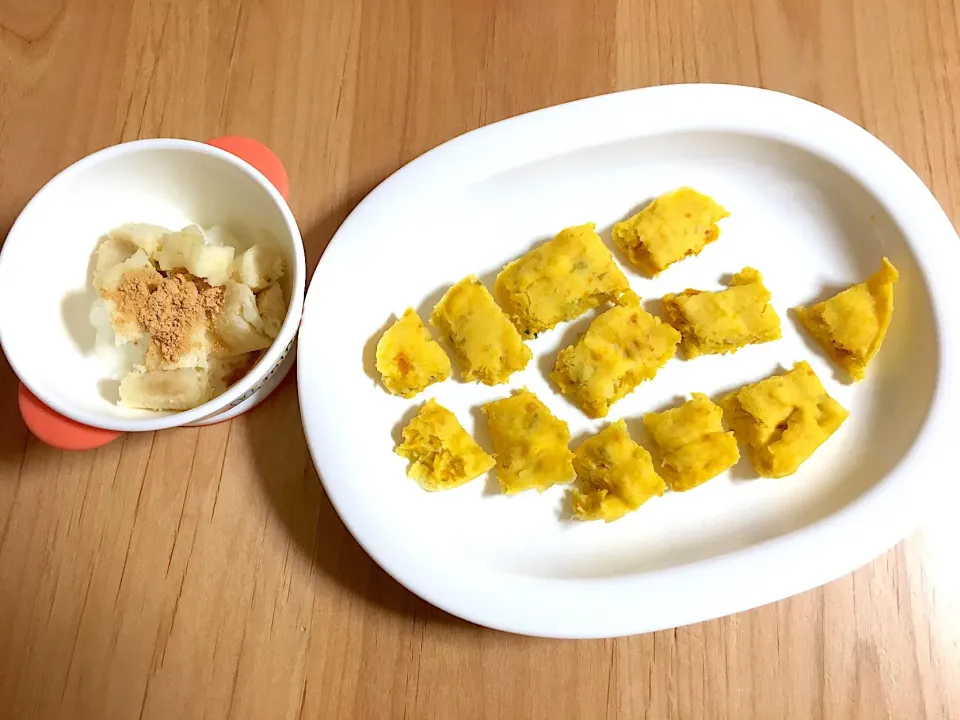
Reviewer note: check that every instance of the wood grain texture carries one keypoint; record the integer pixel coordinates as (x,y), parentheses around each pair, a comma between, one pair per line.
(203,573)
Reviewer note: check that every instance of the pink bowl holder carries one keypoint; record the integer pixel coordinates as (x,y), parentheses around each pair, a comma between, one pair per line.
(63,433)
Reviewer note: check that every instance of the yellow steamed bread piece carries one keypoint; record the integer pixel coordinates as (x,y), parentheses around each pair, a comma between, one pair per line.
(852,324)
(485,343)
(675,225)
(693,446)
(722,322)
(529,443)
(409,359)
(615,475)
(782,420)
(622,347)
(441,453)
(559,280)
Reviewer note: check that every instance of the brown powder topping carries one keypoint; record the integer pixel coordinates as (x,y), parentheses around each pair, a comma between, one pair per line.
(170,309)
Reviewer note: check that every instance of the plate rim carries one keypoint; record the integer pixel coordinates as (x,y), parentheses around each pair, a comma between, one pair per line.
(844,540)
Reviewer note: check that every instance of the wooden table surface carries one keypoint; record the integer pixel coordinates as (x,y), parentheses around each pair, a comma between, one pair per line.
(203,573)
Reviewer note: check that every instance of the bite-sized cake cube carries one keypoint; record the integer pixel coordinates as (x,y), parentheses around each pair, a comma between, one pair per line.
(529,443)
(675,225)
(238,325)
(273,310)
(559,280)
(111,252)
(485,343)
(441,453)
(852,324)
(195,352)
(173,389)
(782,420)
(258,266)
(622,347)
(721,322)
(141,235)
(124,321)
(615,475)
(213,263)
(693,446)
(223,372)
(108,280)
(175,249)
(409,359)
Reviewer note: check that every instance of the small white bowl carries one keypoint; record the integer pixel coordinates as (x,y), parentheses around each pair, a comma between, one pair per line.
(46,282)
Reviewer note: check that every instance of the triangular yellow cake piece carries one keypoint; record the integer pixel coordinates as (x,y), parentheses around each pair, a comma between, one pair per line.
(851,325)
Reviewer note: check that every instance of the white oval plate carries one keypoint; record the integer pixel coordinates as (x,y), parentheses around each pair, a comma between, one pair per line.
(815,202)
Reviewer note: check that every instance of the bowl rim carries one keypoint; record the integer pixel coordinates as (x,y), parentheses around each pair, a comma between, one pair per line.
(237,392)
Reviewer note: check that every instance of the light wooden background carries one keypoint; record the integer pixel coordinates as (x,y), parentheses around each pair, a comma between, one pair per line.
(203,573)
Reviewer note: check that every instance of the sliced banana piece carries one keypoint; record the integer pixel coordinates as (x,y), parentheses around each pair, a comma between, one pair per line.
(200,345)
(126,327)
(119,357)
(222,372)
(220,236)
(143,235)
(212,262)
(109,278)
(113,251)
(272,309)
(179,389)
(258,267)
(239,324)
(176,248)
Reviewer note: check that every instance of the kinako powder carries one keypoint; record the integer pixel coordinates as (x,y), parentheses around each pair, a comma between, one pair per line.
(168,308)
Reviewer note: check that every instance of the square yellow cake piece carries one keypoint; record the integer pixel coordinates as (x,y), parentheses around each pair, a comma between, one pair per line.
(441,453)
(675,225)
(529,443)
(851,325)
(722,322)
(615,475)
(782,420)
(559,280)
(485,343)
(622,347)
(409,359)
(693,446)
